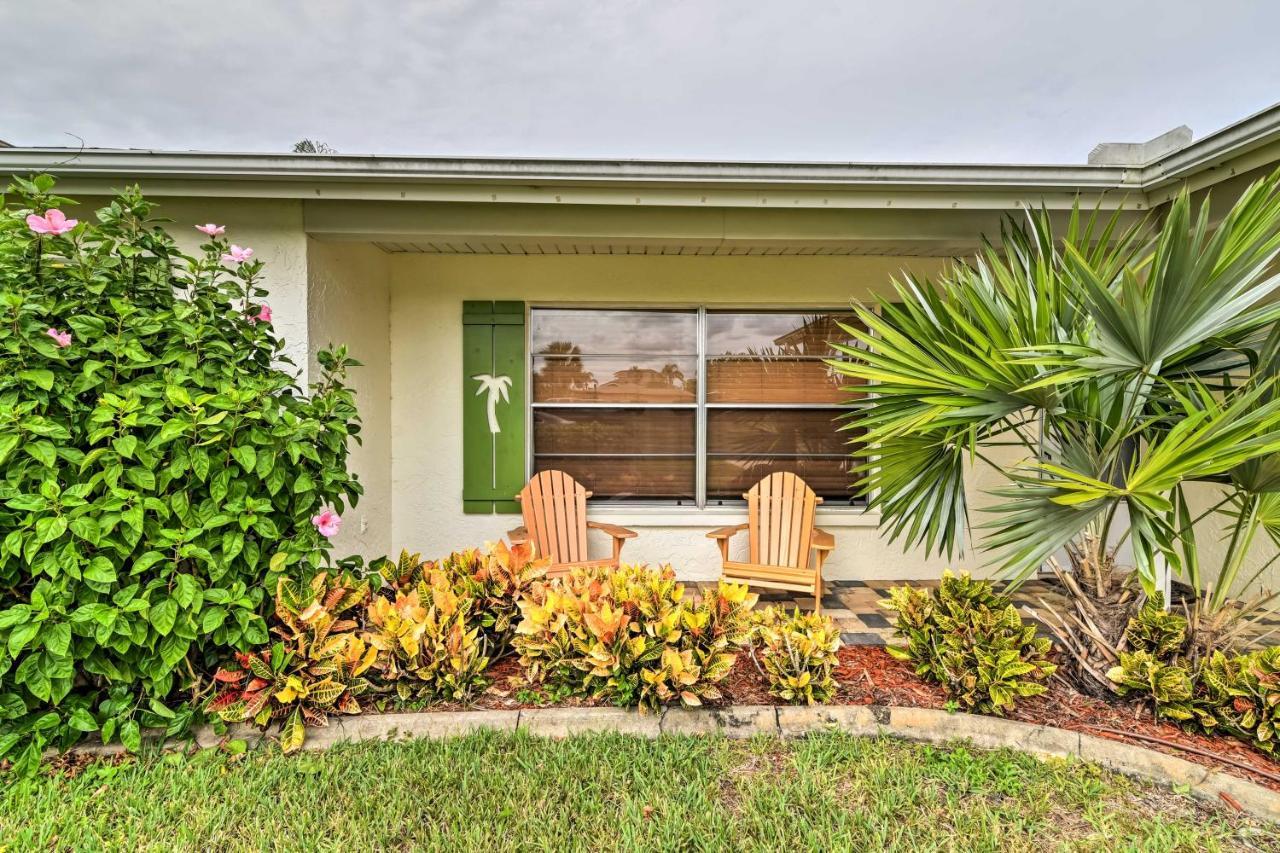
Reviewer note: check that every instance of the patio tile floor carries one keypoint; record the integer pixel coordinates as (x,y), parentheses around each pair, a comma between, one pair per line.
(862,622)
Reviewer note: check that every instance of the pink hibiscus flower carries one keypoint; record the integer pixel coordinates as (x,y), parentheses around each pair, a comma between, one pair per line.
(236,255)
(210,229)
(54,222)
(263,315)
(328,523)
(62,339)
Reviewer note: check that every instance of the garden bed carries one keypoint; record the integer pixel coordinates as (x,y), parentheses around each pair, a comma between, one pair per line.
(868,675)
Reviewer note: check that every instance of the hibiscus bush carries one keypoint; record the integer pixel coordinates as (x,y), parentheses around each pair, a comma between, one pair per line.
(160,468)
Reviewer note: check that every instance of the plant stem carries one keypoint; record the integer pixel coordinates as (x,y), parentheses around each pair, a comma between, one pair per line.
(1245,527)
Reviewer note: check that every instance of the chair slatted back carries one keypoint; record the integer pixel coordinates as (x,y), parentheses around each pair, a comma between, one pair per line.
(780,511)
(554,506)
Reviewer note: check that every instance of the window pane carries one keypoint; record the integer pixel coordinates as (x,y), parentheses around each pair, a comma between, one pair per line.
(770,357)
(729,477)
(566,331)
(763,334)
(615,379)
(762,380)
(797,432)
(627,478)
(606,431)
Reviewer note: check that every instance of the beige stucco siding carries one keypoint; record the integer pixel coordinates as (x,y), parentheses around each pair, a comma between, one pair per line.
(427,292)
(350,304)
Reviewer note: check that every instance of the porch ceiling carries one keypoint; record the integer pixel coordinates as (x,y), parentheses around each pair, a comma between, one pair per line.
(507,229)
(918,249)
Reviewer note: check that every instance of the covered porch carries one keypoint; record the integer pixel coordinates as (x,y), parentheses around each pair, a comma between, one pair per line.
(395,280)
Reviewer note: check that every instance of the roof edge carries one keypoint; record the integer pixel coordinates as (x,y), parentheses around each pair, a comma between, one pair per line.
(1236,140)
(538,171)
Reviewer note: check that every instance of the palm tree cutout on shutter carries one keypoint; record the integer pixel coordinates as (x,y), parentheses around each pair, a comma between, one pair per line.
(496,386)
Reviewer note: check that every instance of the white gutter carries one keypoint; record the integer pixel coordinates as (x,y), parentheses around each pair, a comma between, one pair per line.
(124,164)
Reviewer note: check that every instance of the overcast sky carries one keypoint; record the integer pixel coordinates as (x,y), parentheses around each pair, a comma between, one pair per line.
(929,80)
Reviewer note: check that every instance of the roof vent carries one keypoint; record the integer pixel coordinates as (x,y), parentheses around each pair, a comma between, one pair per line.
(1140,153)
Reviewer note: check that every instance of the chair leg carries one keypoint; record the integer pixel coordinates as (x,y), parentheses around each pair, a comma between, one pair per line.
(617,551)
(817,584)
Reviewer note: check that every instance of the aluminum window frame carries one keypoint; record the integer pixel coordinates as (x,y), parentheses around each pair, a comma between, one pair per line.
(700,405)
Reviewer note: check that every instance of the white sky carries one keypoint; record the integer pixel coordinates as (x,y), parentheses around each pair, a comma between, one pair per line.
(923,80)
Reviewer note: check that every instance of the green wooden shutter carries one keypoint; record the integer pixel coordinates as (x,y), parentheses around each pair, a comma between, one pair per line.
(493,463)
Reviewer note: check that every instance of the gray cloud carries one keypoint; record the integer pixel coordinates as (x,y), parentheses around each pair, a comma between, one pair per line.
(932,80)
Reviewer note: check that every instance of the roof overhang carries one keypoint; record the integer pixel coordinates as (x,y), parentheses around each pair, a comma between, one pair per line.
(613,182)
(1247,144)
(486,203)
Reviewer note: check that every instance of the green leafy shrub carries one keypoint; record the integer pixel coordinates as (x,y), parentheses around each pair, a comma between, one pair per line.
(158,470)
(1154,670)
(1169,686)
(1153,630)
(1228,691)
(970,639)
(630,637)
(1231,692)
(797,653)
(1243,692)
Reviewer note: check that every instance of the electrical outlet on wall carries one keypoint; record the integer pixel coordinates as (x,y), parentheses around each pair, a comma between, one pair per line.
(364,523)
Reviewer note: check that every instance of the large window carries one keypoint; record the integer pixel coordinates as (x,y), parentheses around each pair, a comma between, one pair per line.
(688,406)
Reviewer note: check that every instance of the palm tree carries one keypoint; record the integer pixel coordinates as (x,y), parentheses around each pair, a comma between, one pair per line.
(312,146)
(564,375)
(1127,364)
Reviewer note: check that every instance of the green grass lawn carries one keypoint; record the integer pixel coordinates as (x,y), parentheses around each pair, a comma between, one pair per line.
(496,792)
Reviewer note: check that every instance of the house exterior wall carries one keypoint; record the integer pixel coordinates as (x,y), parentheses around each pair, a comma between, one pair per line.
(349,303)
(427,292)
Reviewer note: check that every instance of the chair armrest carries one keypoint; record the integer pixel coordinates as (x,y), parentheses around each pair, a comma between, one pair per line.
(518,536)
(726,532)
(613,530)
(822,540)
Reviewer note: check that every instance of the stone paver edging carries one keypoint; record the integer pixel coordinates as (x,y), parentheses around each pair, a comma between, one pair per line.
(743,721)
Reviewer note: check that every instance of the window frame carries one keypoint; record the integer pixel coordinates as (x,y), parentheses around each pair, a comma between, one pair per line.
(700,406)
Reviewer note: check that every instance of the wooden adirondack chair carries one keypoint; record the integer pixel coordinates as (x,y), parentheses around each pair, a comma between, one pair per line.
(554,506)
(780,514)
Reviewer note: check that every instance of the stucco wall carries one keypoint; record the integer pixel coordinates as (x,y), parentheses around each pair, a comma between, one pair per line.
(349,304)
(427,292)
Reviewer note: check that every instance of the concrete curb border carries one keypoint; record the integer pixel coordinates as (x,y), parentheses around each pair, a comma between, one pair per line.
(744,721)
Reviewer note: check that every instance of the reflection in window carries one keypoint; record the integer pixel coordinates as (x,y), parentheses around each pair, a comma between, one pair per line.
(617,404)
(614,395)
